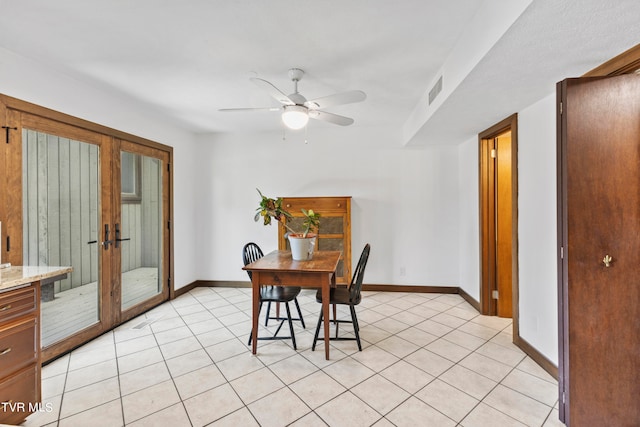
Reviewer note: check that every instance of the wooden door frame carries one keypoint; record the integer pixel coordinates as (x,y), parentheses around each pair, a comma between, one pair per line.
(487,215)
(626,63)
(12,109)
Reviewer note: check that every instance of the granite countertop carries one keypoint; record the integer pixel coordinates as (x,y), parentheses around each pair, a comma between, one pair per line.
(17,275)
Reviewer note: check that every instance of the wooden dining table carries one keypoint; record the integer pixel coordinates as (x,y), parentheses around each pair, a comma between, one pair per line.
(279,269)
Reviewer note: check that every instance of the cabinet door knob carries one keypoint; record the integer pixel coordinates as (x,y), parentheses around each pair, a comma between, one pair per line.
(6,307)
(5,351)
(607,260)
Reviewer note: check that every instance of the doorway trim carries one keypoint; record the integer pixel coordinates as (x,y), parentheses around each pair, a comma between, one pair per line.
(625,63)
(487,216)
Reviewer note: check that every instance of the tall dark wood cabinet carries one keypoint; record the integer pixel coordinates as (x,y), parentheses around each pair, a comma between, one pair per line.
(334,233)
(599,250)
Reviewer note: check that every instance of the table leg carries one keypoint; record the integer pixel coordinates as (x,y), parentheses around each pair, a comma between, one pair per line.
(255,287)
(326,283)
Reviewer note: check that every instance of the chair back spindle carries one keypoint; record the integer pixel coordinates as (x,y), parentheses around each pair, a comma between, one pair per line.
(356,282)
(251,253)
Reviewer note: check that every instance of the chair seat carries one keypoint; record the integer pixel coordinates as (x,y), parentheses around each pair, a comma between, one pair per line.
(338,296)
(279,293)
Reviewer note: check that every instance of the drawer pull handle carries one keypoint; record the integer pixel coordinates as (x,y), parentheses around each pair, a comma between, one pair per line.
(6,307)
(5,351)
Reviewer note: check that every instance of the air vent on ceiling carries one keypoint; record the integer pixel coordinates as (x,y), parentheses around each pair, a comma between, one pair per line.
(435,90)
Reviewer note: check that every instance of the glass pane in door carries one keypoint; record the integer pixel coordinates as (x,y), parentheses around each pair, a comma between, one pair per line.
(140,233)
(61,217)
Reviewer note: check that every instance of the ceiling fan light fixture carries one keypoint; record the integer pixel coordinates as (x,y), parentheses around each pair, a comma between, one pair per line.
(295,116)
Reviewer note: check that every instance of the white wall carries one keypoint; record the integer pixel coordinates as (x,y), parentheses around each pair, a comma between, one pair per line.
(537,226)
(40,84)
(469,221)
(185,201)
(405,201)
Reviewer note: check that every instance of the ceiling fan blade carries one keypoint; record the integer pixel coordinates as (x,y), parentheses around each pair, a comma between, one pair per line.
(336,99)
(273,91)
(330,117)
(227,110)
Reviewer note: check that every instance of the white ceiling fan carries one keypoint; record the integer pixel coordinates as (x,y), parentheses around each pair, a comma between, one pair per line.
(296,109)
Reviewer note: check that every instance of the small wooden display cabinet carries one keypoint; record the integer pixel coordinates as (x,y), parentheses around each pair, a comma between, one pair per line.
(334,233)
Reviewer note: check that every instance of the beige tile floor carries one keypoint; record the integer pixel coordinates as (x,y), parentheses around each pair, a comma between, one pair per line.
(428,359)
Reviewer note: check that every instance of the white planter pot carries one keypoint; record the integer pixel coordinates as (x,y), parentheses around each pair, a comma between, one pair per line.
(302,247)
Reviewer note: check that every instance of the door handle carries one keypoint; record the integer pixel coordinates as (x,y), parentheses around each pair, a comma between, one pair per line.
(106,242)
(118,239)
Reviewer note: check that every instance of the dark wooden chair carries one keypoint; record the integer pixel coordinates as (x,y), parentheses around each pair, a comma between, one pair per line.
(278,294)
(350,296)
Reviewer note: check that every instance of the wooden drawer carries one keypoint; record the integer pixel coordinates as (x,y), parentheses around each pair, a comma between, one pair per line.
(19,395)
(17,302)
(320,204)
(17,345)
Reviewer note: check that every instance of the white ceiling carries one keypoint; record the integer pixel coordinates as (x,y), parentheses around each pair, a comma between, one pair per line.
(184,60)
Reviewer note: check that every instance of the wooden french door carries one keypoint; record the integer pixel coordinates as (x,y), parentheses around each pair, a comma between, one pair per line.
(599,250)
(66,200)
(98,203)
(141,228)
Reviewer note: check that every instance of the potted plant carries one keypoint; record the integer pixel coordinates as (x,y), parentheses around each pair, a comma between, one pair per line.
(302,242)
